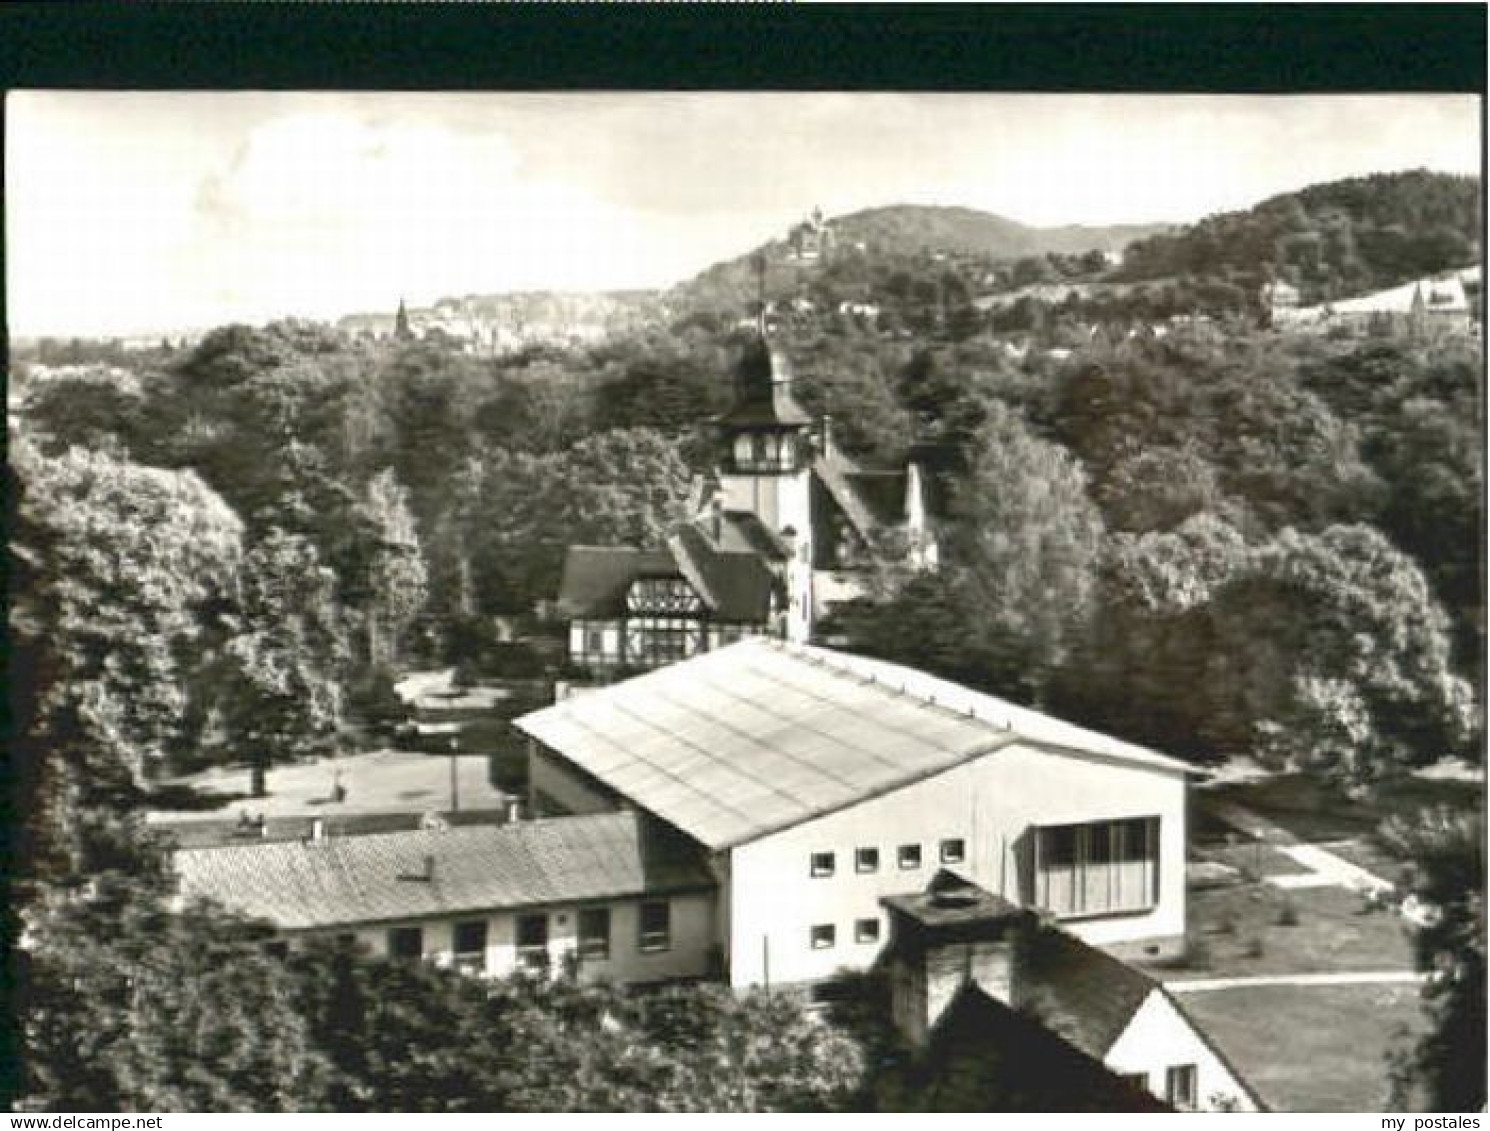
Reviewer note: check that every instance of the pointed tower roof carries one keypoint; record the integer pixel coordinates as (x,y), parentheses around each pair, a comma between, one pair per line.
(763,388)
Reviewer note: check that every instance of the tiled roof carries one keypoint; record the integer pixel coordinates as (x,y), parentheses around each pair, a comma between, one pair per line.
(367,879)
(736,585)
(1082,993)
(744,531)
(989,1053)
(763,734)
(596,578)
(834,475)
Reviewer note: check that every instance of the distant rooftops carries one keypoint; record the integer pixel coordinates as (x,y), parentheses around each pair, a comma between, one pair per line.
(761,735)
(410,875)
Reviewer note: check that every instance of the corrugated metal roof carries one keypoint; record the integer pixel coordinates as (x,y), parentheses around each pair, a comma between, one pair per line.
(765,734)
(366,879)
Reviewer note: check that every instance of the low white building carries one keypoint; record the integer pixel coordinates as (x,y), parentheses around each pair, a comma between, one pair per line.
(817,783)
(611,896)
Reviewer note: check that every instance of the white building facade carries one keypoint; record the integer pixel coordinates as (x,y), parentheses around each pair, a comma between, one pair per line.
(819,783)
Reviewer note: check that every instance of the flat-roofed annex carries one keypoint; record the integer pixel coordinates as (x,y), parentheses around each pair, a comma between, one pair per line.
(764,734)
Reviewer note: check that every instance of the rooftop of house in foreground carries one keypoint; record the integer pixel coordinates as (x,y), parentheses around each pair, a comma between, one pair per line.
(764,734)
(410,875)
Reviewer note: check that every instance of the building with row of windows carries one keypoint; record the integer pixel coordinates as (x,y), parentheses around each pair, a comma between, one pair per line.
(778,815)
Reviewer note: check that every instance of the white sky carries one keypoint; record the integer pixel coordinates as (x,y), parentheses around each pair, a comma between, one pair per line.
(148,213)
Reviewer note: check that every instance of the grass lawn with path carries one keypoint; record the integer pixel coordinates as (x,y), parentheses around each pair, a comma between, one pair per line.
(1257,928)
(1315,1048)
(1315,812)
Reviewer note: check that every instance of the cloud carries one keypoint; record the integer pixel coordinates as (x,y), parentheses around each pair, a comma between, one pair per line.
(155,211)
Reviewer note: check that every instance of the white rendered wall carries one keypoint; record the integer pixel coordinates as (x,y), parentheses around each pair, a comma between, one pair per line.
(1160,1037)
(989,803)
(778,500)
(693,935)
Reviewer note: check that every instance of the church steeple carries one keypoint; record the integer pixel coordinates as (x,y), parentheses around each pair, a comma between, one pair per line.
(401,329)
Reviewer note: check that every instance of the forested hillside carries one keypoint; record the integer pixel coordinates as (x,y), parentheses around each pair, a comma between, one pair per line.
(1332,240)
(870,247)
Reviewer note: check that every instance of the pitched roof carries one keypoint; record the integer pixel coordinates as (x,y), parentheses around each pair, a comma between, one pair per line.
(834,475)
(1090,998)
(734,584)
(595,578)
(1082,993)
(764,734)
(764,390)
(744,531)
(366,879)
(983,1052)
(882,493)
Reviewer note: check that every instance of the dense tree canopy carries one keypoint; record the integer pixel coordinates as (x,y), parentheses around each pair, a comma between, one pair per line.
(1444,850)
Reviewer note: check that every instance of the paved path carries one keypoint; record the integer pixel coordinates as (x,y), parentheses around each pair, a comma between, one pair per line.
(1366,978)
(1325,868)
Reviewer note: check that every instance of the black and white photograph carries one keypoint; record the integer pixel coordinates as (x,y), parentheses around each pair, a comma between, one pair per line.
(745,600)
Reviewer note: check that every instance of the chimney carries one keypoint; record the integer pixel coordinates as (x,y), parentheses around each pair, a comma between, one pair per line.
(952,936)
(317,830)
(827,431)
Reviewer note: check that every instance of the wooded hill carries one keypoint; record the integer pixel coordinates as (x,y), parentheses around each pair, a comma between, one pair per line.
(1331,240)
(892,236)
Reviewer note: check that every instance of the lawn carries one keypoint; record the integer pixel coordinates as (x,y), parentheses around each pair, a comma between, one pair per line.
(1314,812)
(1253,859)
(1309,1048)
(1243,930)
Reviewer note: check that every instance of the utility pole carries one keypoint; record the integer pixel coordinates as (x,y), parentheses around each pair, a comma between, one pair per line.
(454,777)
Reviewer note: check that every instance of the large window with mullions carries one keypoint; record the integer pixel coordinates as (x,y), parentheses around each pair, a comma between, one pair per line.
(1098,868)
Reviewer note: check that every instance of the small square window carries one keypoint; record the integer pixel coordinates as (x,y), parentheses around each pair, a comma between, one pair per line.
(866,930)
(909,856)
(954,851)
(822,864)
(867,860)
(823,936)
